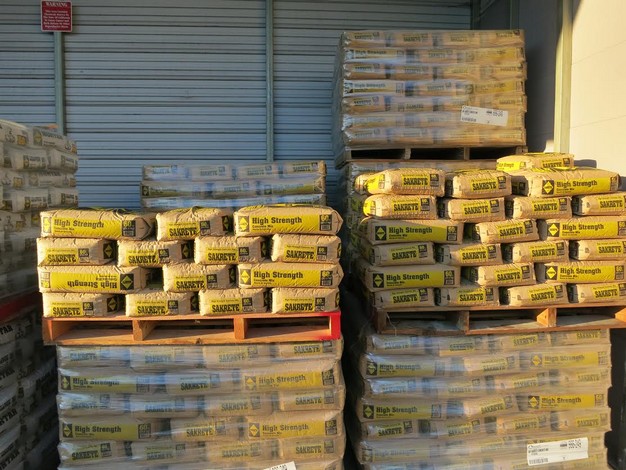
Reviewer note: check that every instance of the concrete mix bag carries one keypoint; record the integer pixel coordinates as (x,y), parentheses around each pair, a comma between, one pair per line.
(62,197)
(378,278)
(469,254)
(230,250)
(600,204)
(549,182)
(578,228)
(304,300)
(427,181)
(92,279)
(389,206)
(467,296)
(512,274)
(306,248)
(74,251)
(597,250)
(280,170)
(81,305)
(109,224)
(472,210)
(535,160)
(507,231)
(534,252)
(191,277)
(403,298)
(521,207)
(581,272)
(187,224)
(233,301)
(539,295)
(269,220)
(279,274)
(151,253)
(159,303)
(398,253)
(477,184)
(380,232)
(595,293)
(17,200)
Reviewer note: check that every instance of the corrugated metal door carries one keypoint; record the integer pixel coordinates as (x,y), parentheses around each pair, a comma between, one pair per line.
(306,39)
(26,65)
(162,81)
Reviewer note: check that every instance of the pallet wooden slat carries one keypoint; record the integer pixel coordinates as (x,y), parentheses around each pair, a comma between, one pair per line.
(192,329)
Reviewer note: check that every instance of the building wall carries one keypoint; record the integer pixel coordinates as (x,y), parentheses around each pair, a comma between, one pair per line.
(598,98)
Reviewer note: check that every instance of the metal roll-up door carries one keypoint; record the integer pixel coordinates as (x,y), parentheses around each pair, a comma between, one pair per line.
(160,82)
(26,65)
(306,39)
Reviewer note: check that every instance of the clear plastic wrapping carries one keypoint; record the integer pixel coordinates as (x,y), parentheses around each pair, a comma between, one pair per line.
(408,83)
(170,203)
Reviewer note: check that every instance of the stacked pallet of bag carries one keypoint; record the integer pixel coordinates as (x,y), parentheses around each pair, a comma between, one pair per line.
(232,186)
(397,89)
(37,169)
(581,256)
(78,273)
(304,273)
(492,401)
(27,400)
(246,407)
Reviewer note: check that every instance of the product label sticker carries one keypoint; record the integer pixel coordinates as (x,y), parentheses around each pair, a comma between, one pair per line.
(476,115)
(557,451)
(283,466)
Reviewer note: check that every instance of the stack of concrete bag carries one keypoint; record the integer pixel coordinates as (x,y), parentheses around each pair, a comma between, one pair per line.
(304,273)
(78,274)
(408,89)
(232,186)
(246,407)
(28,417)
(497,402)
(37,168)
(583,254)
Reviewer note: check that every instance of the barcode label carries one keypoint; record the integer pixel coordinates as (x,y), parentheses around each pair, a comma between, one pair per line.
(476,115)
(284,466)
(557,451)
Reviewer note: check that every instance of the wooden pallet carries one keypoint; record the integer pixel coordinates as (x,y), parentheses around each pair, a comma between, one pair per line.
(443,321)
(426,153)
(192,329)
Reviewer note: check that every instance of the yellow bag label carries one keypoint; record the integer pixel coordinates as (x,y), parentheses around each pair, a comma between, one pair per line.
(391,366)
(289,380)
(183,230)
(531,295)
(477,253)
(119,431)
(577,186)
(83,308)
(400,207)
(574,359)
(109,384)
(408,296)
(309,400)
(91,452)
(512,230)
(566,401)
(55,256)
(470,209)
(86,281)
(600,249)
(521,381)
(593,272)
(61,226)
(394,429)
(468,296)
(599,204)
(156,307)
(523,423)
(293,429)
(546,250)
(412,411)
(382,343)
(280,274)
(388,232)
(429,276)
(244,405)
(538,160)
(580,337)
(542,207)
(586,227)
(228,306)
(298,253)
(307,350)
(203,429)
(609,291)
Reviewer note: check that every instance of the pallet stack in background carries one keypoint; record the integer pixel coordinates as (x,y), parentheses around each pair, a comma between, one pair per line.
(484,401)
(28,414)
(407,89)
(232,186)
(37,171)
(246,406)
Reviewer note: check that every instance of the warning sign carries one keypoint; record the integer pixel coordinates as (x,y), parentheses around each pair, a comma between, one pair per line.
(56,16)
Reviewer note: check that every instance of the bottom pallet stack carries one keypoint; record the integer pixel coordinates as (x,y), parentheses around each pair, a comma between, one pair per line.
(202,407)
(497,402)
(28,415)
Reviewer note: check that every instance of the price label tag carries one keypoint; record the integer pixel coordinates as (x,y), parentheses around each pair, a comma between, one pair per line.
(475,115)
(557,451)
(284,466)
